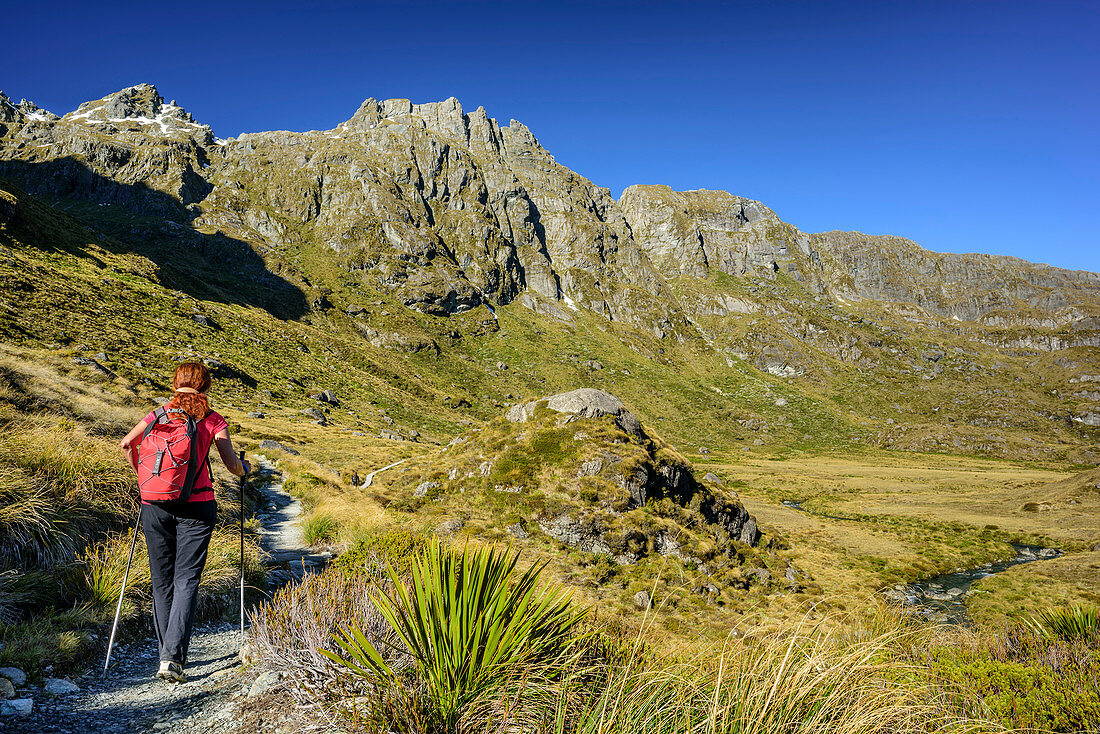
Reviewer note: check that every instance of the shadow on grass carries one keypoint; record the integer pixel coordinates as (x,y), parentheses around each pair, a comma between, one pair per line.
(139,219)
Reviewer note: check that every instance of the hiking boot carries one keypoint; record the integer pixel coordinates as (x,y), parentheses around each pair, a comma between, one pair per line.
(171,672)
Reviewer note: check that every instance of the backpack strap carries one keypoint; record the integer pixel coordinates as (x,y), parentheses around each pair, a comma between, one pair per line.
(193,462)
(158,415)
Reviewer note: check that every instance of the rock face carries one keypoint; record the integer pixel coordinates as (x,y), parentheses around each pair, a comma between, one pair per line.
(695,232)
(690,232)
(450,210)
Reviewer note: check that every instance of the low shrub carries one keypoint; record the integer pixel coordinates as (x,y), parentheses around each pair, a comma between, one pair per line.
(375,550)
(1020,679)
(290,630)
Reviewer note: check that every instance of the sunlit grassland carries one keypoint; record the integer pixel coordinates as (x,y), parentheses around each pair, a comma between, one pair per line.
(916,515)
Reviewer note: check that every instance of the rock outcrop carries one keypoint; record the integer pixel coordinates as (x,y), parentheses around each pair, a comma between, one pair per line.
(585,402)
(578,468)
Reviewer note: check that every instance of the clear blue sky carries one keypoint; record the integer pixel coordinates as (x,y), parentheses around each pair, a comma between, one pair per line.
(967,126)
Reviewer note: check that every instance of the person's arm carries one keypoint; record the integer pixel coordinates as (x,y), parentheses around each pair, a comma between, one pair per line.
(131,442)
(229,456)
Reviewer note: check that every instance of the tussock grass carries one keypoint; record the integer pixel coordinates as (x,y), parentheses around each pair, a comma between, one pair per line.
(59,488)
(319,527)
(104,566)
(10,598)
(33,384)
(802,680)
(65,640)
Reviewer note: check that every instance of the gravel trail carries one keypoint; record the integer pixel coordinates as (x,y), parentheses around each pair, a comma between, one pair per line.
(130,700)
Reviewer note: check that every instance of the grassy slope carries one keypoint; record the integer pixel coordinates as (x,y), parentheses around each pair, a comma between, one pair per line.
(133,311)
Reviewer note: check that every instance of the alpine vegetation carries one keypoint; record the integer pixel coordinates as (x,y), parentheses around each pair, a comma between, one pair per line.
(534,457)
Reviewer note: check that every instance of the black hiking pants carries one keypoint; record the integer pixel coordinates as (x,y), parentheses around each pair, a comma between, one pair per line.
(178,536)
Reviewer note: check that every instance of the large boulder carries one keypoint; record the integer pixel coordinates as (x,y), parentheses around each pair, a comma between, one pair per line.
(585,402)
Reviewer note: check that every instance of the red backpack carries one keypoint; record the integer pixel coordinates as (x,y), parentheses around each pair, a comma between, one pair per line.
(168,457)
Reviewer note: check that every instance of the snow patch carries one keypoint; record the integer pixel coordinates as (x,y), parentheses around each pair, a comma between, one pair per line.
(162,119)
(569,303)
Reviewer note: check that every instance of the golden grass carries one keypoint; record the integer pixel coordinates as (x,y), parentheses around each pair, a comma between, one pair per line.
(800,680)
(1024,591)
(59,487)
(35,381)
(893,490)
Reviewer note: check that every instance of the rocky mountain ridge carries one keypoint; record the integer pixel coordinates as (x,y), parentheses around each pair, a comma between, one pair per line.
(531,221)
(401,187)
(448,212)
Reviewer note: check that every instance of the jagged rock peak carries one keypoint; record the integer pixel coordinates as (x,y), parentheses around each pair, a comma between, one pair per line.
(8,112)
(140,100)
(445,118)
(140,105)
(25,110)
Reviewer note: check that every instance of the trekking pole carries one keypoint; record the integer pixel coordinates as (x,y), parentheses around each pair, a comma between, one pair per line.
(244,477)
(121,594)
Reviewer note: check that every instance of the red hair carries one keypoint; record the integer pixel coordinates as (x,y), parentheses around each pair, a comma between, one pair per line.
(195,376)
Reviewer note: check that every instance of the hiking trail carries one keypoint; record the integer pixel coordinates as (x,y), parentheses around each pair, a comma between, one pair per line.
(129,699)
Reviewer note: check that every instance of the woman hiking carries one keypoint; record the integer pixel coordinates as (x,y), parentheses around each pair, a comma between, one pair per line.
(178,520)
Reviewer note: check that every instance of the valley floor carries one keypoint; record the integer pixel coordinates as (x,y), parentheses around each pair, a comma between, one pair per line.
(878,518)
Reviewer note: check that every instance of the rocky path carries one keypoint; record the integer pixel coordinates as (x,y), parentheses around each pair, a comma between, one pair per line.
(280,532)
(130,700)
